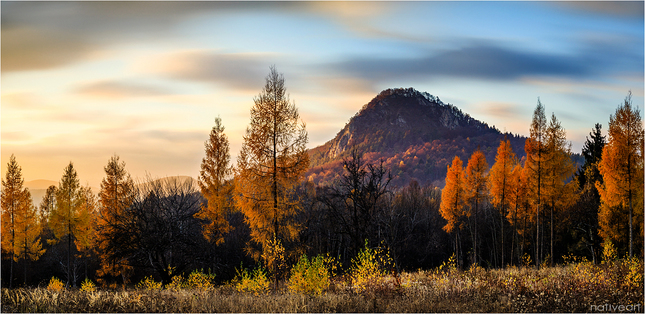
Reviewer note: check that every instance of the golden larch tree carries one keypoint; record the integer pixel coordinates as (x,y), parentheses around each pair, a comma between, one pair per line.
(116,195)
(621,167)
(535,148)
(272,161)
(20,228)
(27,236)
(67,220)
(501,182)
(213,182)
(477,190)
(559,190)
(453,200)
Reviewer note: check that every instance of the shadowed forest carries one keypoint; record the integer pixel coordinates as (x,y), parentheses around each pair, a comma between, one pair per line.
(526,227)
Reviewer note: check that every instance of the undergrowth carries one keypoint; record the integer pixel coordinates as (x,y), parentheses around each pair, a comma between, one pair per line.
(575,286)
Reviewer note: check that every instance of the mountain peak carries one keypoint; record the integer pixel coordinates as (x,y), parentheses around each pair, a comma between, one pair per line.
(399,121)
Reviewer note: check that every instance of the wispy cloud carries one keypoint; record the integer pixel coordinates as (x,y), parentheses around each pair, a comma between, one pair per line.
(243,71)
(488,61)
(118,89)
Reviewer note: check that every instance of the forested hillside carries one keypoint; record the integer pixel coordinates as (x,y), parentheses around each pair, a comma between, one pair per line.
(415,133)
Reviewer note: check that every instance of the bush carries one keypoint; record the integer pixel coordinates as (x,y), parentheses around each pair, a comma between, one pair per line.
(369,268)
(176,284)
(199,280)
(310,276)
(149,284)
(55,284)
(255,281)
(88,285)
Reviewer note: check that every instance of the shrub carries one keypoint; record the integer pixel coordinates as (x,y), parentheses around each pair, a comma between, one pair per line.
(369,268)
(176,283)
(88,285)
(609,253)
(55,284)
(149,284)
(199,280)
(309,276)
(255,281)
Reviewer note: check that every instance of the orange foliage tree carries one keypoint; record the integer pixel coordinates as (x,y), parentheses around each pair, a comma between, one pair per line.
(559,168)
(272,161)
(536,157)
(477,189)
(453,200)
(501,182)
(116,195)
(68,219)
(20,224)
(621,168)
(215,170)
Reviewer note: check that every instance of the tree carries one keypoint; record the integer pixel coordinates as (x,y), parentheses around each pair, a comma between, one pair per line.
(477,189)
(215,171)
(453,200)
(158,230)
(535,148)
(559,168)
(20,229)
(356,201)
(27,236)
(585,214)
(67,219)
(116,195)
(621,168)
(87,214)
(272,160)
(501,182)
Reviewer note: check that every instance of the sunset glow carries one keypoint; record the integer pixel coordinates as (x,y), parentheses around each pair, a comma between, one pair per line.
(82,81)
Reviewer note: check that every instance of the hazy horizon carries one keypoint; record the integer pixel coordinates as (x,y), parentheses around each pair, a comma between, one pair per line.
(82,81)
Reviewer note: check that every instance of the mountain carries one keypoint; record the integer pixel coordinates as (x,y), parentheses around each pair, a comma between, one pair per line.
(414,133)
(37,188)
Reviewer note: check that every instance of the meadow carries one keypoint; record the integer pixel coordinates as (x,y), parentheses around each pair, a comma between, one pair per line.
(576,286)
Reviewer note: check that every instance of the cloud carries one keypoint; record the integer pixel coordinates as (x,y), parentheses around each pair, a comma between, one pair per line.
(26,49)
(501,110)
(237,70)
(116,89)
(487,61)
(44,35)
(619,9)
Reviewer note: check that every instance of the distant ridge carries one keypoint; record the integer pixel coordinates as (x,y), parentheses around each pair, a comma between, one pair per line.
(415,133)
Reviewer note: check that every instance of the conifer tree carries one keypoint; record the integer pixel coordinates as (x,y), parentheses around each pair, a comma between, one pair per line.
(272,160)
(215,171)
(27,236)
(621,168)
(501,182)
(116,195)
(20,229)
(559,168)
(453,200)
(67,220)
(536,156)
(477,189)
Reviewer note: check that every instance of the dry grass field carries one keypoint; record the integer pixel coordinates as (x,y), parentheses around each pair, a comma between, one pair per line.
(575,287)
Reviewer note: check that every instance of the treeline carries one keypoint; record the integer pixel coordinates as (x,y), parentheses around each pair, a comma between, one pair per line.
(263,211)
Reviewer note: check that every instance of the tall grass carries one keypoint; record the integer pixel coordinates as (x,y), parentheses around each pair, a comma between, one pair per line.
(574,287)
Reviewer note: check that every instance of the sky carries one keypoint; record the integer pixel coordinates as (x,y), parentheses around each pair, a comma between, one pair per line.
(83,81)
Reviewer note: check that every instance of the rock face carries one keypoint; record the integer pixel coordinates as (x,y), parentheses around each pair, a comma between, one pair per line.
(414,133)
